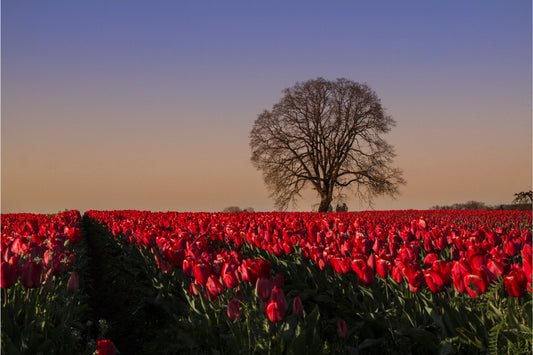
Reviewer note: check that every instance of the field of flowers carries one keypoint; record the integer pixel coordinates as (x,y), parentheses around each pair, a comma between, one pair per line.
(364,282)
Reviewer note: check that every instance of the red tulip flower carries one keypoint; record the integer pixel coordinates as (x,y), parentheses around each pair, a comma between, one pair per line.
(434,281)
(8,274)
(430,259)
(495,267)
(275,311)
(201,273)
(214,286)
(383,267)
(342,329)
(73,282)
(252,269)
(475,285)
(297,307)
(397,275)
(516,283)
(512,247)
(30,274)
(234,310)
(74,234)
(106,347)
(444,270)
(278,296)
(188,267)
(230,278)
(194,288)
(366,275)
(263,289)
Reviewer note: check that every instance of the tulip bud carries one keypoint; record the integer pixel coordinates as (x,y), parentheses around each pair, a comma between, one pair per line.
(214,286)
(73,282)
(279,296)
(30,274)
(8,274)
(263,288)
(234,310)
(297,307)
(342,329)
(194,288)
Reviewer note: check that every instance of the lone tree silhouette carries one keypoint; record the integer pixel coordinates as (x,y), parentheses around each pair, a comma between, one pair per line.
(326,134)
(523,197)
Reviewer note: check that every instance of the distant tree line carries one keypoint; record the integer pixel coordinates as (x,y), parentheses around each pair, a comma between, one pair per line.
(233,209)
(522,202)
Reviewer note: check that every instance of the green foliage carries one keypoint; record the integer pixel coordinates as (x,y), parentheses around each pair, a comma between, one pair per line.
(37,321)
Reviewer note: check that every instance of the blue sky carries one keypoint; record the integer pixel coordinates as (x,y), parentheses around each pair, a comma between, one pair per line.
(148,105)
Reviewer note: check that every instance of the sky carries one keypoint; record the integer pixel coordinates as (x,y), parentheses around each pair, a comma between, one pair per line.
(149,105)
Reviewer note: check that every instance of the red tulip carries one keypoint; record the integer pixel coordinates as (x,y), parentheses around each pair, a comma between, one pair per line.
(234,310)
(194,288)
(430,259)
(73,282)
(106,347)
(414,276)
(188,267)
(297,307)
(336,264)
(342,329)
(263,289)
(444,270)
(397,274)
(276,249)
(357,265)
(30,274)
(434,281)
(230,278)
(516,283)
(214,286)
(252,269)
(475,285)
(512,247)
(459,270)
(495,267)
(366,275)
(60,263)
(278,296)
(274,311)
(9,275)
(74,234)
(201,273)
(383,267)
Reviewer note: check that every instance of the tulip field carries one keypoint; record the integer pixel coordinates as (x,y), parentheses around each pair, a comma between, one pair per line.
(375,282)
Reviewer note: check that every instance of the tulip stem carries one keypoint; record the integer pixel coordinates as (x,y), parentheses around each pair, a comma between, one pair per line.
(387,290)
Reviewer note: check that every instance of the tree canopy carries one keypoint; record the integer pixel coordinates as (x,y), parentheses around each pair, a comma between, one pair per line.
(326,135)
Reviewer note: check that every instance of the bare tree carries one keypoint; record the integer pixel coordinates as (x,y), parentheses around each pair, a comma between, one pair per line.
(326,134)
(523,197)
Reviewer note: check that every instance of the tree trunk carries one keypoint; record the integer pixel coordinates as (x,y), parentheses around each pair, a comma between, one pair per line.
(325,202)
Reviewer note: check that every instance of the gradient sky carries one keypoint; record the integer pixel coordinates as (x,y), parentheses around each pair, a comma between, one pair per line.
(149,104)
